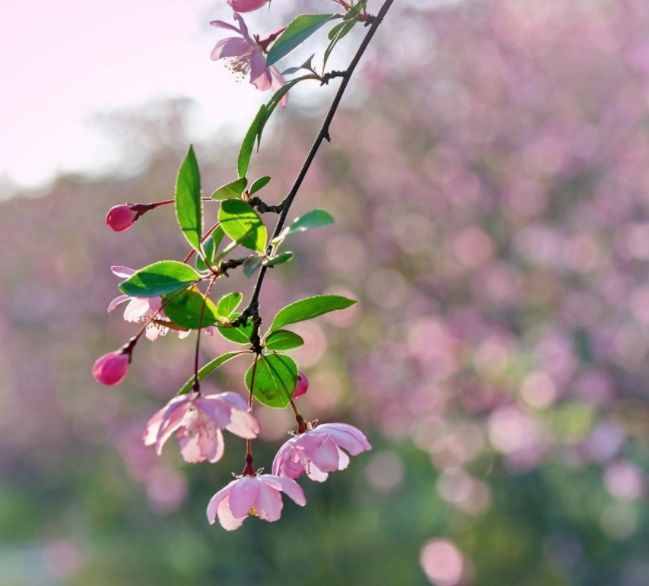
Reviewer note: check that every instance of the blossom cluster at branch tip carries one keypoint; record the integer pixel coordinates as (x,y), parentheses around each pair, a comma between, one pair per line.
(246,5)
(197,422)
(245,55)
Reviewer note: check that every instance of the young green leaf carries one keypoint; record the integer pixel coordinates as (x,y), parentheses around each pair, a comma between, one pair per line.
(159,278)
(259,184)
(191,309)
(300,29)
(313,219)
(280,259)
(229,303)
(238,335)
(283,340)
(241,223)
(234,189)
(309,308)
(248,144)
(251,265)
(275,379)
(208,369)
(210,248)
(336,34)
(189,207)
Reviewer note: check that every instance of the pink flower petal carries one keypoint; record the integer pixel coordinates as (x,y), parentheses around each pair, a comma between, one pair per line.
(243,424)
(215,408)
(136,310)
(228,521)
(347,436)
(117,301)
(243,495)
(287,485)
(269,503)
(325,457)
(259,73)
(121,271)
(231,47)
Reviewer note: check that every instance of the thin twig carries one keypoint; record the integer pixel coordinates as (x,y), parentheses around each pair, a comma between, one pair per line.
(252,310)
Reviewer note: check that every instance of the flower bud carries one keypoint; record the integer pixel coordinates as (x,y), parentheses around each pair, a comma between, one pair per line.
(246,5)
(121,217)
(110,369)
(302,385)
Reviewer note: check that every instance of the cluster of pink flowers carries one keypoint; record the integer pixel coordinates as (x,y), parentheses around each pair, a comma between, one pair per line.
(197,422)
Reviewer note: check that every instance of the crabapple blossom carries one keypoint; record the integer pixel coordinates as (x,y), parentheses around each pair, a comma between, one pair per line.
(121,217)
(197,421)
(246,5)
(252,496)
(302,386)
(319,451)
(111,369)
(246,55)
(139,309)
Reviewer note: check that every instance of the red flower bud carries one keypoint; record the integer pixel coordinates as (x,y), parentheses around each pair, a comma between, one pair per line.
(302,385)
(246,5)
(110,369)
(121,217)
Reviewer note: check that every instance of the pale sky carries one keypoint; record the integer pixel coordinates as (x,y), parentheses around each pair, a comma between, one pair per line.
(63,62)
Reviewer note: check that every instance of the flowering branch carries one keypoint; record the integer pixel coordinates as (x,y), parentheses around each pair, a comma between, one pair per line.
(167,295)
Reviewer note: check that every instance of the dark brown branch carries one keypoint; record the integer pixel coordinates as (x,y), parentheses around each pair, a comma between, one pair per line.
(252,310)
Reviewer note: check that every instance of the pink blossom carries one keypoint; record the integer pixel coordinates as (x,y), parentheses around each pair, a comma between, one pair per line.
(302,385)
(111,369)
(139,309)
(245,55)
(246,5)
(252,496)
(319,451)
(121,217)
(197,421)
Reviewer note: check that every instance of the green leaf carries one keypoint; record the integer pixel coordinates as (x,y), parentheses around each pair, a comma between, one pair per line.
(189,208)
(229,303)
(208,369)
(309,308)
(283,340)
(300,29)
(159,278)
(248,144)
(251,265)
(259,184)
(238,335)
(191,309)
(279,259)
(313,219)
(234,189)
(210,248)
(241,223)
(275,379)
(336,34)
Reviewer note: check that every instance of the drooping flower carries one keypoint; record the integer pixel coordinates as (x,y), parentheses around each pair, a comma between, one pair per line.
(319,451)
(246,5)
(252,496)
(139,309)
(246,55)
(197,421)
(121,217)
(302,385)
(111,369)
